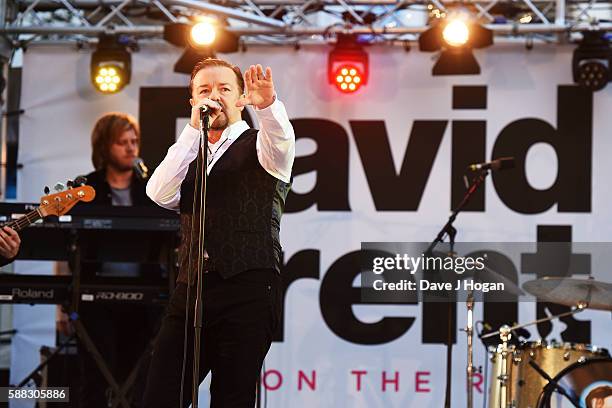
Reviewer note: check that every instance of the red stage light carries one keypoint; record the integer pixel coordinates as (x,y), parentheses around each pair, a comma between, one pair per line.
(347,64)
(348,78)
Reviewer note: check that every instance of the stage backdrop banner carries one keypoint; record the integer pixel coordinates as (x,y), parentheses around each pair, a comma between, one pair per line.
(384,164)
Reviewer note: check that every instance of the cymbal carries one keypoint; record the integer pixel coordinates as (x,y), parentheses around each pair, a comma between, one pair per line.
(571,292)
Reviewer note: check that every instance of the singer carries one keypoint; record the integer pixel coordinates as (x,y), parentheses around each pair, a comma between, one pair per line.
(120,334)
(249,178)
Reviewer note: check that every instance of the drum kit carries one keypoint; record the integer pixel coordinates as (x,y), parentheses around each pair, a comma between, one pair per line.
(550,374)
(535,374)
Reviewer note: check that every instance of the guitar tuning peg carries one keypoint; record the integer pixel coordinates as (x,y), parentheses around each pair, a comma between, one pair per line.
(47,190)
(80,181)
(59,187)
(70,183)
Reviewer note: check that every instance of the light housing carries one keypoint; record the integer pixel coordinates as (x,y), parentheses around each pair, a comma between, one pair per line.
(592,61)
(111,64)
(456,57)
(180,34)
(347,64)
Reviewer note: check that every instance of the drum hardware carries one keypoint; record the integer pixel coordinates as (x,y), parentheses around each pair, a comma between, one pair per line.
(578,308)
(469,331)
(506,396)
(507,393)
(505,334)
(527,375)
(486,274)
(516,383)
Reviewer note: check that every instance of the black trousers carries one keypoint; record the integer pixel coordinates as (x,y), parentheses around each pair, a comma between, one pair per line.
(241,315)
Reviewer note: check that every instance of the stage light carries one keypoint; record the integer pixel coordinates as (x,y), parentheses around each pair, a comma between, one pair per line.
(111,65)
(204,39)
(203,34)
(456,33)
(347,64)
(348,78)
(455,37)
(592,61)
(108,78)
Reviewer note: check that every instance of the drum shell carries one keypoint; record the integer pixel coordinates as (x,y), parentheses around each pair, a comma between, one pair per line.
(579,380)
(552,358)
(524,384)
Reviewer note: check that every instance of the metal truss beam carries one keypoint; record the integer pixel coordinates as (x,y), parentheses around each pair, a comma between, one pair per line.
(227,12)
(289,21)
(506,29)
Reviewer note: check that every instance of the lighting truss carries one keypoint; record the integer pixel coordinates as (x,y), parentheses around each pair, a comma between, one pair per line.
(290,22)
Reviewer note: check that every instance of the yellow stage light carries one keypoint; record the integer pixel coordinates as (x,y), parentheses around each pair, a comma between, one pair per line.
(456,33)
(203,34)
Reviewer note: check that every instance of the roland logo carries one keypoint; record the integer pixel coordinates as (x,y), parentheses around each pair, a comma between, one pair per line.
(32,293)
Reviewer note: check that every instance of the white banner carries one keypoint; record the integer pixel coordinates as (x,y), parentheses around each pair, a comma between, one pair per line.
(384,164)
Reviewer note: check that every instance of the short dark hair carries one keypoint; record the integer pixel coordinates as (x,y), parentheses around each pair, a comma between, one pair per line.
(106,131)
(601,392)
(215,62)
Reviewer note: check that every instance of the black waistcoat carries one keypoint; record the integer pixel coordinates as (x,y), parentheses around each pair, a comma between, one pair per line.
(244,204)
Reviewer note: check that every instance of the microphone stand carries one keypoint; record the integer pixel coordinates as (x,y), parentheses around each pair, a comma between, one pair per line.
(449,230)
(200,192)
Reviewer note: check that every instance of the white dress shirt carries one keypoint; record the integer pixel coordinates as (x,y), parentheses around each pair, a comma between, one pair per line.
(275,152)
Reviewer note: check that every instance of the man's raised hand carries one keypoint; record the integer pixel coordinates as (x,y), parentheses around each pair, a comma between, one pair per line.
(259,88)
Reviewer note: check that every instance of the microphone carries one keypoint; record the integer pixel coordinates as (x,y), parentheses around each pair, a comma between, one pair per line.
(207,110)
(502,163)
(142,171)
